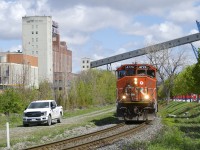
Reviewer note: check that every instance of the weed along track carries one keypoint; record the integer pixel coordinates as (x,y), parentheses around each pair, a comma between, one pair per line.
(93,140)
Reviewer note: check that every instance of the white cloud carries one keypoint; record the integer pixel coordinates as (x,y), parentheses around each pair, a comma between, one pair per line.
(75,38)
(82,20)
(193,31)
(185,12)
(97,57)
(163,32)
(15,48)
(120,51)
(10,19)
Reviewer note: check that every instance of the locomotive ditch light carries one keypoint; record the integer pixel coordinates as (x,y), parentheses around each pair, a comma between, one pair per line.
(123,97)
(135,80)
(146,97)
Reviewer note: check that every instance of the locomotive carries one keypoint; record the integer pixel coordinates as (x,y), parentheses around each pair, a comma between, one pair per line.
(136,92)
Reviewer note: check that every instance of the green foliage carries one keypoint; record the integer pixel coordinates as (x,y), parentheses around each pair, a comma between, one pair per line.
(184,82)
(92,87)
(45,90)
(173,138)
(27,95)
(196,75)
(11,102)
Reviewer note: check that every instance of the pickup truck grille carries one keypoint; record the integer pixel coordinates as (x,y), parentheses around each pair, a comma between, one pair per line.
(33,114)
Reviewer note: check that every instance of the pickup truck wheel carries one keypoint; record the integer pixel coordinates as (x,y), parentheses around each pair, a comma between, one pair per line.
(49,120)
(59,119)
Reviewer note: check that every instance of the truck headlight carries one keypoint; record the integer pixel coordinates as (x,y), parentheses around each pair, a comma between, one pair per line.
(43,113)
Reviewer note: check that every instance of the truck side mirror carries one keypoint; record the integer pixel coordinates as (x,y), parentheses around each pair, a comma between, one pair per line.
(52,107)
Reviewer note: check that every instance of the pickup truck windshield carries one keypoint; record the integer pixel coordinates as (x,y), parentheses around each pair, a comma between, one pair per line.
(39,105)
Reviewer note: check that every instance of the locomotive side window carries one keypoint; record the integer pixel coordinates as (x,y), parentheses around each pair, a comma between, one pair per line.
(130,72)
(121,74)
(151,73)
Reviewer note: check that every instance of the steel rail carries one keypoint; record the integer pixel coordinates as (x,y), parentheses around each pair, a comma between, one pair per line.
(107,140)
(61,144)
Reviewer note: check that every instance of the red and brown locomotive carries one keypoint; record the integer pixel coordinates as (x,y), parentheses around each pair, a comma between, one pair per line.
(136,92)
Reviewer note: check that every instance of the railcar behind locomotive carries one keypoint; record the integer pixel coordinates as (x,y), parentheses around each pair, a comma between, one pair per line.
(136,92)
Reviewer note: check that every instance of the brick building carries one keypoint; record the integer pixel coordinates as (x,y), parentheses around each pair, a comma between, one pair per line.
(62,63)
(17,69)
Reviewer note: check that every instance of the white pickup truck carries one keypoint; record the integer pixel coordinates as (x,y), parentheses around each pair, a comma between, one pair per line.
(42,112)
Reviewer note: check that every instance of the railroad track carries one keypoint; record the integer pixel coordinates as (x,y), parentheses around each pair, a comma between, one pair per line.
(92,140)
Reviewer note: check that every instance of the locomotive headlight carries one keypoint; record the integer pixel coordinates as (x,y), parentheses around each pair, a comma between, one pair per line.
(135,80)
(146,97)
(123,97)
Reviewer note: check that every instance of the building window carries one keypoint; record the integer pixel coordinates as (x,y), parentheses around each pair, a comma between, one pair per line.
(36,32)
(36,39)
(32,32)
(83,61)
(33,52)
(7,72)
(36,46)
(32,39)
(36,26)
(36,52)
(87,61)
(32,26)
(87,66)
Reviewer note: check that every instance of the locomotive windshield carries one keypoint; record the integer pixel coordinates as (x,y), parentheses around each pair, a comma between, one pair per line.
(140,71)
(130,72)
(150,73)
(121,73)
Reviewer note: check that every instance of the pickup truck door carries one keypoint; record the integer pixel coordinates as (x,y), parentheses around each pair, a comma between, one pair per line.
(53,110)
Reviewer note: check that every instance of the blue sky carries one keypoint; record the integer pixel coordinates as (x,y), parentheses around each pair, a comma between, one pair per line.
(101,28)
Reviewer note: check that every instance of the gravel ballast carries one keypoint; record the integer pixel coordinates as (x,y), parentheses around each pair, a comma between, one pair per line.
(144,135)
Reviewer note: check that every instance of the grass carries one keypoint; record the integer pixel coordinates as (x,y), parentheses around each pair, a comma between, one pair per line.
(179,133)
(77,112)
(58,132)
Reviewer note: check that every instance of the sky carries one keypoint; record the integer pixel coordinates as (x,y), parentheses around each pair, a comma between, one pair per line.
(98,29)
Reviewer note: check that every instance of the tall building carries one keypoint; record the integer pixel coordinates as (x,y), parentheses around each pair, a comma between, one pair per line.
(37,41)
(40,38)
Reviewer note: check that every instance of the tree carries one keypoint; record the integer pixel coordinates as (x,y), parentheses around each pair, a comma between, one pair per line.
(196,75)
(168,64)
(184,82)
(92,87)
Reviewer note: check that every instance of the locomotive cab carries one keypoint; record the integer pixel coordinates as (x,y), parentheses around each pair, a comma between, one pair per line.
(136,92)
